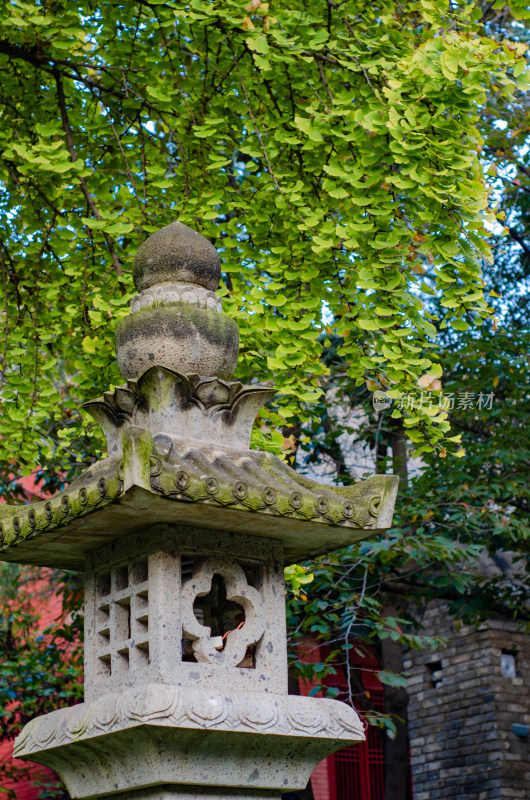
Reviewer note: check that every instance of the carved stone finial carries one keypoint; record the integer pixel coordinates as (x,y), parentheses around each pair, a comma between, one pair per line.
(176,253)
(177,320)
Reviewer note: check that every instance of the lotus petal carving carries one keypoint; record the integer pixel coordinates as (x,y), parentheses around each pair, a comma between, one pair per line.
(188,406)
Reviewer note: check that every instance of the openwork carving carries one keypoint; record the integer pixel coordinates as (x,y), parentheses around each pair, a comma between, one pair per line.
(238,591)
(122,619)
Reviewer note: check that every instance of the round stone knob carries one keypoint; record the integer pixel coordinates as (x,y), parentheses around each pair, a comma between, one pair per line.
(176,253)
(176,321)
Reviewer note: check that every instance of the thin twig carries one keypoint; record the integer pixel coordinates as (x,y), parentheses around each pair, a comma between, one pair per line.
(73,157)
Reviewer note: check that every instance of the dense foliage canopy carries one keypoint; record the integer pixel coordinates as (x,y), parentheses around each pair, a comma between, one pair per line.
(329,150)
(340,156)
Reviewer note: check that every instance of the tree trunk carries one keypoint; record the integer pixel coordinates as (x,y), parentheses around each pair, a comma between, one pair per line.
(397,770)
(398,442)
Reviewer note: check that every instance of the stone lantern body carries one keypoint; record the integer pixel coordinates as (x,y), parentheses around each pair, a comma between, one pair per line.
(183,532)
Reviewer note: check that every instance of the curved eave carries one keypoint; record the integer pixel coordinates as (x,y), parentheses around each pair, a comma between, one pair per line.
(109,502)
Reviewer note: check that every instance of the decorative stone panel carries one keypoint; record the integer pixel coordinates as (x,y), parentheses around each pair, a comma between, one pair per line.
(168,568)
(237,590)
(122,619)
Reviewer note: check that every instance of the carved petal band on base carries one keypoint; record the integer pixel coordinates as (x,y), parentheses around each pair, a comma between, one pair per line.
(181,739)
(183,707)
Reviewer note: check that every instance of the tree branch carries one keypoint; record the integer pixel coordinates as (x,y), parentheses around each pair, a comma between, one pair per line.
(520,241)
(405,590)
(73,157)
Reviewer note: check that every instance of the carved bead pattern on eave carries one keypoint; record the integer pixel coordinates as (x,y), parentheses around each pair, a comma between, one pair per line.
(238,591)
(190,483)
(192,708)
(169,480)
(30,520)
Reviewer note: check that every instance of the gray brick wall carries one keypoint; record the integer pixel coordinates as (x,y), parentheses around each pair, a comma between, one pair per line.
(462,709)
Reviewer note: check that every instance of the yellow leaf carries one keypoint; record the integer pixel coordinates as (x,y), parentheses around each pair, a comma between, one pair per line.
(430,382)
(89,345)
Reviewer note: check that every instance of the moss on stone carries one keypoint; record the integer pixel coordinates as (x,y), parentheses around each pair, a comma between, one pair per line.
(137,453)
(180,327)
(179,316)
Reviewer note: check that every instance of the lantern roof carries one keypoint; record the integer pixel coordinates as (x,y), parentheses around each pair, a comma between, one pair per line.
(178,436)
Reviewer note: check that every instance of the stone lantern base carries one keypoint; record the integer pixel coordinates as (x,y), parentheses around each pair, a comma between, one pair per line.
(166,741)
(192,793)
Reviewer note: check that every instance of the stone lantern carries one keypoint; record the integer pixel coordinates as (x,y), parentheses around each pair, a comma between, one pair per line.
(182,532)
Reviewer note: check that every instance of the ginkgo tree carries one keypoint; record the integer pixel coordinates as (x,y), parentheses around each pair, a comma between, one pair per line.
(330,150)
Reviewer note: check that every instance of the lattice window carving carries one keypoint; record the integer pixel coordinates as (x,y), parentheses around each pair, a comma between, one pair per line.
(175,605)
(122,619)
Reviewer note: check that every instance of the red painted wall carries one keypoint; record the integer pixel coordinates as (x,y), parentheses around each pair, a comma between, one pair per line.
(48,605)
(357,772)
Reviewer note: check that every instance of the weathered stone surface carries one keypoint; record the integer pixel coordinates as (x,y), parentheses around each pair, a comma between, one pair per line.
(238,591)
(176,737)
(180,336)
(151,754)
(177,293)
(177,320)
(176,253)
(165,706)
(184,407)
